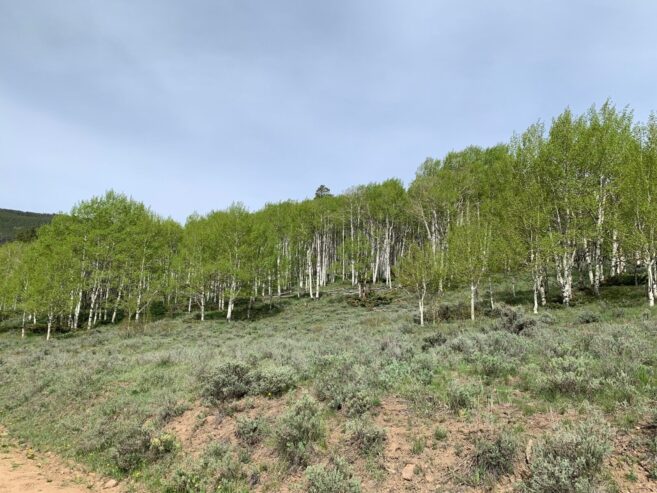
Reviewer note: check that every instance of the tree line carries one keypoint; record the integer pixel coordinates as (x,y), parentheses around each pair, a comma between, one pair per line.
(574,198)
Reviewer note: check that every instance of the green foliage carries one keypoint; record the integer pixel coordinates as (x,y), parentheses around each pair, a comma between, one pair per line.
(439,434)
(434,340)
(216,470)
(132,448)
(251,431)
(231,380)
(570,459)
(298,430)
(512,319)
(335,477)
(570,375)
(366,436)
(345,386)
(588,318)
(234,380)
(496,455)
(274,381)
(462,395)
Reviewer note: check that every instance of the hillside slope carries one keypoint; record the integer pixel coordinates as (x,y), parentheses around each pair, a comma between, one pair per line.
(13,222)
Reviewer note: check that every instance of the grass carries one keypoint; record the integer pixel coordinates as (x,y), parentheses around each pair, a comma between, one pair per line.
(107,397)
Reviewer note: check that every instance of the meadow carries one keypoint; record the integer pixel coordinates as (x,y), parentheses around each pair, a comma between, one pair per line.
(339,394)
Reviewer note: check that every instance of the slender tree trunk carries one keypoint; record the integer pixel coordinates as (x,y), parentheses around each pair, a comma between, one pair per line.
(535,295)
(490,291)
(231,303)
(651,283)
(564,265)
(423,293)
(116,305)
(473,294)
(23,327)
(50,319)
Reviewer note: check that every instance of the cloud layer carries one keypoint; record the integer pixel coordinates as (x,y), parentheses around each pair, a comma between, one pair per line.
(193,105)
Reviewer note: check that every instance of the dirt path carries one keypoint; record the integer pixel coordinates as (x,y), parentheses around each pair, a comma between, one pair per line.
(23,471)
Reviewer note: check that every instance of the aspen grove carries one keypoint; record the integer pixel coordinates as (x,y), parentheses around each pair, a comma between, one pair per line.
(575,201)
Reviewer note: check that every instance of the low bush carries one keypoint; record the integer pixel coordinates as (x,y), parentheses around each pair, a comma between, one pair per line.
(396,349)
(357,400)
(588,318)
(447,312)
(346,387)
(163,444)
(439,434)
(494,366)
(251,431)
(336,477)
(131,450)
(569,375)
(495,456)
(234,380)
(273,381)
(570,459)
(298,429)
(462,396)
(512,319)
(366,436)
(433,340)
(216,470)
(231,380)
(370,300)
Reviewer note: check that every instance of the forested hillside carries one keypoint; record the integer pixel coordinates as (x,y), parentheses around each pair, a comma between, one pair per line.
(574,198)
(19,224)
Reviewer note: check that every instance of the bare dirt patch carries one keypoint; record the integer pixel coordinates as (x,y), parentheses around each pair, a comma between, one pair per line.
(23,470)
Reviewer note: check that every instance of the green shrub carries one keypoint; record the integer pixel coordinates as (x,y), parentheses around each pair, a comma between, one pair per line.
(512,319)
(418,445)
(274,381)
(588,318)
(571,459)
(217,470)
(366,436)
(495,456)
(231,380)
(394,349)
(251,431)
(571,376)
(439,434)
(357,400)
(298,429)
(433,340)
(234,380)
(448,311)
(184,481)
(163,444)
(494,366)
(334,478)
(131,451)
(345,386)
(462,396)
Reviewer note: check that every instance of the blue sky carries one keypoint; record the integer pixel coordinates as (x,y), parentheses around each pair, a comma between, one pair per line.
(191,105)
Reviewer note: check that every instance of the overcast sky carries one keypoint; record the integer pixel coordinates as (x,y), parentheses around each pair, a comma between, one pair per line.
(191,105)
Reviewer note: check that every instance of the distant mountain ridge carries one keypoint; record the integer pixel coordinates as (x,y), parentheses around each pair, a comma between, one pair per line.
(14,224)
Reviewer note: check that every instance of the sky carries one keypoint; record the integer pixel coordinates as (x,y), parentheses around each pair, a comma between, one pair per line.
(193,105)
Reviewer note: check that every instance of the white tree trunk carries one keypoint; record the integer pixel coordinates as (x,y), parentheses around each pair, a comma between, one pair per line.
(50,318)
(231,304)
(651,283)
(535,295)
(473,294)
